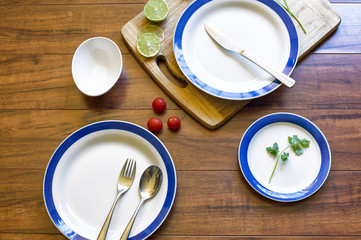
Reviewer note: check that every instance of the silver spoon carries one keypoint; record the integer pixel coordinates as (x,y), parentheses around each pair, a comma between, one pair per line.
(149,184)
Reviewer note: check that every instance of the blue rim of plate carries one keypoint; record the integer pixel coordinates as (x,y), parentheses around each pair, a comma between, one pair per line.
(308,126)
(99,126)
(178,52)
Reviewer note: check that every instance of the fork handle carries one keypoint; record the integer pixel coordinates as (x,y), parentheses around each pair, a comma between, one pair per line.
(104,230)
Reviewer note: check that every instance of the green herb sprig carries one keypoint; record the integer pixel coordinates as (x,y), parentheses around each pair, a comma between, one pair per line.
(297,146)
(285,6)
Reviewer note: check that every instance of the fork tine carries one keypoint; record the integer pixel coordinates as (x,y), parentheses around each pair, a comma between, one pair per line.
(133,170)
(124,167)
(129,167)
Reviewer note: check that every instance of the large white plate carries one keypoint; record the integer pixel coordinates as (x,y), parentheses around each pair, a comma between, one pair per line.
(262,27)
(81,180)
(300,176)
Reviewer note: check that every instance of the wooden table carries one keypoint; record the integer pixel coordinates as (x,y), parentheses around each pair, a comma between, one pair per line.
(40,106)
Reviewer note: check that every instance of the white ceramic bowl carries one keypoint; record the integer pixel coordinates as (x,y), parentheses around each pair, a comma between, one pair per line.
(97,65)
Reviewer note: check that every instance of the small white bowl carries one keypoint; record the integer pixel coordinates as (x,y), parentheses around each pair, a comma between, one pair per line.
(97,65)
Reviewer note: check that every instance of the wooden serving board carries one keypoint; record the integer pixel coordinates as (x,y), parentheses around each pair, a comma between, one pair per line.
(316,16)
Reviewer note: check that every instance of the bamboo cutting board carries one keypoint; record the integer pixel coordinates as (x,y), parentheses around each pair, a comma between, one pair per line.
(316,16)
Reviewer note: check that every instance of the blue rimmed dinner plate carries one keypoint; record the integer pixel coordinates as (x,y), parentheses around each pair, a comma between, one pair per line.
(262,27)
(299,176)
(81,180)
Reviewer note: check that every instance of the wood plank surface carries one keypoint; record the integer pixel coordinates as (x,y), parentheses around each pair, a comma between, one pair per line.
(158,237)
(242,205)
(28,81)
(40,106)
(211,150)
(230,203)
(344,40)
(23,34)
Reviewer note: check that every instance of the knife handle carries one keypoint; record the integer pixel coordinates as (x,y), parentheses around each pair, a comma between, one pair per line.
(286,80)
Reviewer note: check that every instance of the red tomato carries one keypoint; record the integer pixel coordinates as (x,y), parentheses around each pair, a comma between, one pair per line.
(159,105)
(174,123)
(155,125)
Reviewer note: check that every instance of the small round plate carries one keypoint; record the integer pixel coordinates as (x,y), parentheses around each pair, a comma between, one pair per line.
(299,176)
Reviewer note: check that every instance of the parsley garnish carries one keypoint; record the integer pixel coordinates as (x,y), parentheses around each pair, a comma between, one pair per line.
(297,146)
(273,150)
(285,6)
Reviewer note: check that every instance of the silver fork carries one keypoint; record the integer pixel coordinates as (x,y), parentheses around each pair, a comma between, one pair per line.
(125,180)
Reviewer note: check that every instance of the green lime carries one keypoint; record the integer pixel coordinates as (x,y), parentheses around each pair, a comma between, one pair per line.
(156,10)
(148,44)
(153,29)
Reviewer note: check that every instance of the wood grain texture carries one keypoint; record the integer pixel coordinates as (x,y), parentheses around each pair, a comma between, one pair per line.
(346,38)
(39,132)
(231,206)
(328,72)
(159,237)
(60,29)
(318,18)
(29,81)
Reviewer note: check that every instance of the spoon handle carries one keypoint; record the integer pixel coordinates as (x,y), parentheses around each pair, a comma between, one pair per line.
(126,232)
(104,230)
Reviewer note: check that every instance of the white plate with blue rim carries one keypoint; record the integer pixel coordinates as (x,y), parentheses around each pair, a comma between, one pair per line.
(262,27)
(295,179)
(81,180)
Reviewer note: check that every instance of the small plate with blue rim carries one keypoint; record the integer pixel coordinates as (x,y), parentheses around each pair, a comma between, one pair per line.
(262,27)
(294,179)
(80,182)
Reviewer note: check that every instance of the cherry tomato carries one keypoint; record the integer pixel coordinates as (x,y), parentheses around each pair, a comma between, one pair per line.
(159,105)
(155,125)
(174,123)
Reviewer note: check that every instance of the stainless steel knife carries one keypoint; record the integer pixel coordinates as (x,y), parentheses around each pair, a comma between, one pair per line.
(231,46)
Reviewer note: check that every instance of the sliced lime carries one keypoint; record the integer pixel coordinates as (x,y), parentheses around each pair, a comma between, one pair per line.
(153,29)
(148,44)
(156,10)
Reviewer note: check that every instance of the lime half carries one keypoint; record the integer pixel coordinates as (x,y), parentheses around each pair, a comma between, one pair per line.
(148,44)
(156,10)
(152,29)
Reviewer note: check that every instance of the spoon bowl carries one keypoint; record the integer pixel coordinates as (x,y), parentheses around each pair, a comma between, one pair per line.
(150,182)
